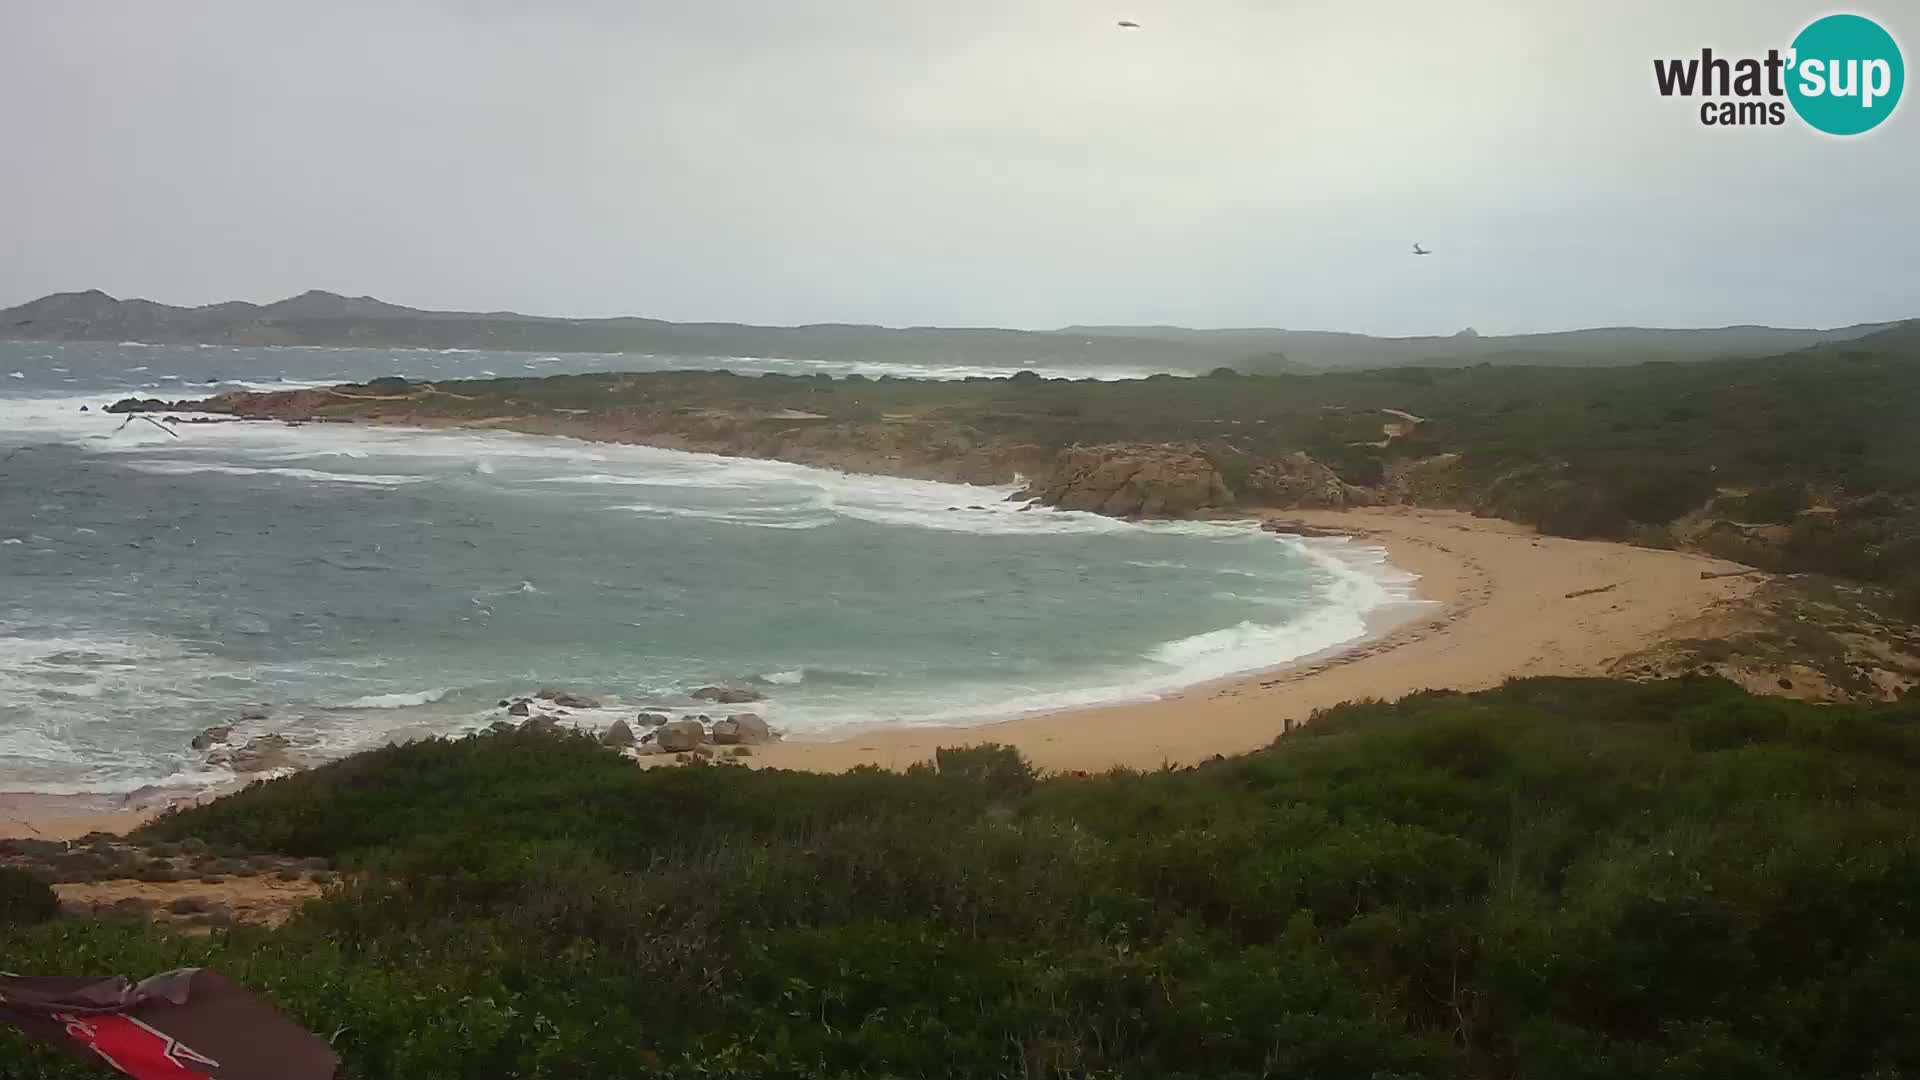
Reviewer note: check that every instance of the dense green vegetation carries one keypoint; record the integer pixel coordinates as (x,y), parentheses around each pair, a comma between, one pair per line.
(1561,878)
(25,898)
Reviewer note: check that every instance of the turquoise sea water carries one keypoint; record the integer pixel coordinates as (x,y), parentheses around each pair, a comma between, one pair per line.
(358,585)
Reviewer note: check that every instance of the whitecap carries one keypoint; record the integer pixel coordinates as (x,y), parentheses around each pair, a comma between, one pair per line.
(762,520)
(395,701)
(174,468)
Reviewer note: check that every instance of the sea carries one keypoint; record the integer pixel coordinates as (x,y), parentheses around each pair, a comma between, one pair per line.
(351,586)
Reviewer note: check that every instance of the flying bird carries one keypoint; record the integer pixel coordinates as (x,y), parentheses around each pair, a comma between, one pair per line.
(1127,24)
(1418,250)
(150,420)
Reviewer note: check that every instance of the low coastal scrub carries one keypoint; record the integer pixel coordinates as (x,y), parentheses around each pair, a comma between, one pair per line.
(1559,878)
(24,898)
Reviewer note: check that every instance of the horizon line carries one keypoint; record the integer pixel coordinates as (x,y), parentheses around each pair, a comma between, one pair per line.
(1061,329)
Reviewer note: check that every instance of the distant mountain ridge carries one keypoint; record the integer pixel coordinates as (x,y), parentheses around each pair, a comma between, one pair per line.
(323,318)
(1333,349)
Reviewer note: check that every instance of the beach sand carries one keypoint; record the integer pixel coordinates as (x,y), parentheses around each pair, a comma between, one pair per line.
(1498,608)
(1500,602)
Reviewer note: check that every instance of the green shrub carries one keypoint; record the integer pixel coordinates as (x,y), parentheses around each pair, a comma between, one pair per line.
(25,898)
(1561,877)
(996,768)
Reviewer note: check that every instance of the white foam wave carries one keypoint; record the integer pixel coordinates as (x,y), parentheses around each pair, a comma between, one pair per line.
(177,468)
(396,701)
(711,478)
(761,520)
(179,780)
(1356,587)
(785,678)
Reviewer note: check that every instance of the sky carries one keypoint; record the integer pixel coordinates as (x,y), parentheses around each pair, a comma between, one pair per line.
(1018,163)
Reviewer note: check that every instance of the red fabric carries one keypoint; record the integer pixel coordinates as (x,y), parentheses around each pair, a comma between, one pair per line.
(136,1049)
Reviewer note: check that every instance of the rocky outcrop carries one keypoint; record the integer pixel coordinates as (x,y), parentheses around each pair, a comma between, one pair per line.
(262,754)
(652,719)
(566,699)
(1297,480)
(619,734)
(541,725)
(519,708)
(680,735)
(726,695)
(1130,480)
(212,736)
(741,729)
(1430,481)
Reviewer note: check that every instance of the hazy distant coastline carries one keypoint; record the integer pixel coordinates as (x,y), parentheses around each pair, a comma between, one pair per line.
(329,319)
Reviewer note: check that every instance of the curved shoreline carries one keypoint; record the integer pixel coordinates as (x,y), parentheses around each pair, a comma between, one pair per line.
(1507,603)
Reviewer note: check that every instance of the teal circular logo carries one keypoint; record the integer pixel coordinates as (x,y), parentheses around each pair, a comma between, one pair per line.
(1846,74)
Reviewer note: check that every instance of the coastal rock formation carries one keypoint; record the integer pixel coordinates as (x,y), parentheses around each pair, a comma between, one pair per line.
(1431,481)
(619,734)
(519,708)
(651,719)
(541,725)
(1130,480)
(680,735)
(262,754)
(212,736)
(1297,480)
(567,699)
(726,695)
(741,728)
(501,727)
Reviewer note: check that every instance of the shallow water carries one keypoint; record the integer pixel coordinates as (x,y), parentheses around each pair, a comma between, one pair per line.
(361,584)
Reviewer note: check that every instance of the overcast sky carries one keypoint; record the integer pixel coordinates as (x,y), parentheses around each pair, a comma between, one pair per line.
(992,162)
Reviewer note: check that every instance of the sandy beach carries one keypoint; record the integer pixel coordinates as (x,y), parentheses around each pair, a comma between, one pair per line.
(1500,602)
(1499,608)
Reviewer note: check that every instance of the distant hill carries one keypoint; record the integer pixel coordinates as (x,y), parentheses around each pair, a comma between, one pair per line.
(1333,350)
(324,318)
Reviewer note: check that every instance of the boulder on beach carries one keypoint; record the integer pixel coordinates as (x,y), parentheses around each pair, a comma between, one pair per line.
(619,734)
(566,699)
(727,695)
(501,727)
(212,736)
(519,708)
(680,735)
(741,728)
(652,719)
(541,725)
(262,754)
